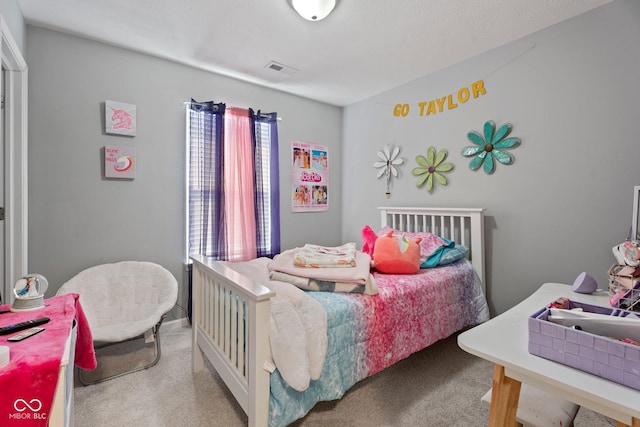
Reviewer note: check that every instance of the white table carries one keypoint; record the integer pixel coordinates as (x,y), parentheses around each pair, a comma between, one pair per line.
(503,340)
(62,407)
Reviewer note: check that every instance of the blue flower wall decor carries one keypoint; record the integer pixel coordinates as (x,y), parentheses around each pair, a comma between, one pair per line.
(490,147)
(432,167)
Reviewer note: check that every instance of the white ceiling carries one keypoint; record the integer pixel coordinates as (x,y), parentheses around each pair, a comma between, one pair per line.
(363,48)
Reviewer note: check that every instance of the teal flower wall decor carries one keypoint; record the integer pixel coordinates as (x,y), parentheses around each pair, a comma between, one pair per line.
(432,167)
(489,148)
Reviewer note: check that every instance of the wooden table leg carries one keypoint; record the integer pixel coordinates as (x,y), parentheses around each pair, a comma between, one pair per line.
(504,399)
(635,422)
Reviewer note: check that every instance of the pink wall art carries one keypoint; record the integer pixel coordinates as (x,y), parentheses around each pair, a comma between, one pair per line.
(120,118)
(119,162)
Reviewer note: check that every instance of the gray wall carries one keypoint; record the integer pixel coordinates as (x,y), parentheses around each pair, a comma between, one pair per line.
(77,219)
(12,14)
(571,93)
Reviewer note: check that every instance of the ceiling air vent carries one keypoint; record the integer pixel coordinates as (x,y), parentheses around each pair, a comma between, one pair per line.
(281,68)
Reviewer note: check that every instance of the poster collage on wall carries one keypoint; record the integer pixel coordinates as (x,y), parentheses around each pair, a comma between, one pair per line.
(309,177)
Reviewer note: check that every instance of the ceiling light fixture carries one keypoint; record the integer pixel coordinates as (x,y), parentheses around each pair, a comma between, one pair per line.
(313,10)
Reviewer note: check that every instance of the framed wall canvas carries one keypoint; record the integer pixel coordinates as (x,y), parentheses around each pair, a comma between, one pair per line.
(119,162)
(120,118)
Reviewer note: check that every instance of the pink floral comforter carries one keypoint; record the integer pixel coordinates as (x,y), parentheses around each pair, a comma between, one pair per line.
(367,334)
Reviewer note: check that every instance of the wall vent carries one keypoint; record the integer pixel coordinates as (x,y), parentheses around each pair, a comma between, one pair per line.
(281,68)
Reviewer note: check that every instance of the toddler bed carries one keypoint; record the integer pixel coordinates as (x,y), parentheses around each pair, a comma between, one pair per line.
(364,333)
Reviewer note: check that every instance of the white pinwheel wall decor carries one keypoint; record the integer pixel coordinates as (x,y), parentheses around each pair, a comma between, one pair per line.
(387,164)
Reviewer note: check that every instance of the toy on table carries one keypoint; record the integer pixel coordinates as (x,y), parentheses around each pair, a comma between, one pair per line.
(585,284)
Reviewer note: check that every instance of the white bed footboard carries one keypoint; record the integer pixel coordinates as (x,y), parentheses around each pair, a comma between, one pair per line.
(231,327)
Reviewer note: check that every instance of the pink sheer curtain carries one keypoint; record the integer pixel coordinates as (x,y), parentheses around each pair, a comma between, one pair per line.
(239,185)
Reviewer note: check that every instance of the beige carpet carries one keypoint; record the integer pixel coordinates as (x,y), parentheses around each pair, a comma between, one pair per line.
(439,386)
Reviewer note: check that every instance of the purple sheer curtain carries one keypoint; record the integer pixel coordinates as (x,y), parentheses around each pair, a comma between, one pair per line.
(267,194)
(233,188)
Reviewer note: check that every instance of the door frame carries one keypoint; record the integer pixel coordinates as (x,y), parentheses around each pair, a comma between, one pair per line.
(15,163)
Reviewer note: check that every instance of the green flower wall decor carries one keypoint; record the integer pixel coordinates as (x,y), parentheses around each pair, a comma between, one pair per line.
(489,148)
(432,167)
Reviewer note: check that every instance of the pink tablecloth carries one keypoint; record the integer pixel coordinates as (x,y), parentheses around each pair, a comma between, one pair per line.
(28,382)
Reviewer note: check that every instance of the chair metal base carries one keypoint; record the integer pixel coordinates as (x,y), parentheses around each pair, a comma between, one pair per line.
(157,350)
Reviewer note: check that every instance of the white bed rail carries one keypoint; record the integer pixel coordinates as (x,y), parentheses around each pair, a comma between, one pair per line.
(231,327)
(465,226)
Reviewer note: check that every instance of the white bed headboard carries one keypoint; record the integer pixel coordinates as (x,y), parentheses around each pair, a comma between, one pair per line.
(465,226)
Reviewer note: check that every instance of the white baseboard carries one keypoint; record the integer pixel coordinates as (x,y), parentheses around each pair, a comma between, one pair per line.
(183,322)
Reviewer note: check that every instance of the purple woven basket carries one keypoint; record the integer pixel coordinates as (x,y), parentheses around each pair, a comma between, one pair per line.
(598,355)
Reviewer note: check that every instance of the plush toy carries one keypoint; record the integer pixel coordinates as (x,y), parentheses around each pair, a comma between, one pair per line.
(368,240)
(627,253)
(397,254)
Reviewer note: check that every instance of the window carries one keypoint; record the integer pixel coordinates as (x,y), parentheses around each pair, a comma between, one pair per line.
(233,192)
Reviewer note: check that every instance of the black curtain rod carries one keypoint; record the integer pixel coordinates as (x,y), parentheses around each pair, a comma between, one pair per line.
(204,104)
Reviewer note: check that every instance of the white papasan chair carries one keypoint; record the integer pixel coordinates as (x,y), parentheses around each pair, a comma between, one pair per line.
(124,301)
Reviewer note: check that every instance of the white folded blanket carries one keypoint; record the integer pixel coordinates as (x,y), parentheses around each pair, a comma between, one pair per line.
(297,329)
(359,274)
(307,284)
(316,256)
